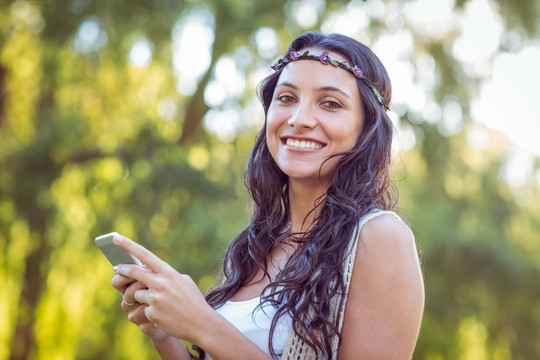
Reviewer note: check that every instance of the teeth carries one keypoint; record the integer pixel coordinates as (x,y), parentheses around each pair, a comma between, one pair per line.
(302,144)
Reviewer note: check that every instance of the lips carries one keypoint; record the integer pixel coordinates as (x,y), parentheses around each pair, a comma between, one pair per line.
(302,144)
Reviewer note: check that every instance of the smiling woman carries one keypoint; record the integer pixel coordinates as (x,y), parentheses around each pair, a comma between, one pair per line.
(325,269)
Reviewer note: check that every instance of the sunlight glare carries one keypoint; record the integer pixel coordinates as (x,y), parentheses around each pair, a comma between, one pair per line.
(266,41)
(140,54)
(229,83)
(349,20)
(306,12)
(223,123)
(375,9)
(433,19)
(214,94)
(508,102)
(432,111)
(404,139)
(230,77)
(90,36)
(394,51)
(193,38)
(517,167)
(481,31)
(452,118)
(477,139)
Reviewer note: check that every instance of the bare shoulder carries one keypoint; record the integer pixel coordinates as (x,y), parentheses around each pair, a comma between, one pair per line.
(386,295)
(387,259)
(386,233)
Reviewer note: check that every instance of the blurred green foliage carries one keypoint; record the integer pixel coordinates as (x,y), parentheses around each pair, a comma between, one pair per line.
(90,143)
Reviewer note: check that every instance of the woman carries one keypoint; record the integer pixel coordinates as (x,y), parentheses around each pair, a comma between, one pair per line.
(325,269)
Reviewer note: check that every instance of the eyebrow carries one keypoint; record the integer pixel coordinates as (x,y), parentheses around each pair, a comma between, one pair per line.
(324,88)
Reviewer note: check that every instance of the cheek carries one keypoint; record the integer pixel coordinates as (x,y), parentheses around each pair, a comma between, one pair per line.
(272,125)
(357,127)
(272,115)
(346,137)
(353,137)
(271,137)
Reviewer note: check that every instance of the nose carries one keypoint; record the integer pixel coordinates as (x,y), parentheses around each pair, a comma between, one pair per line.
(302,117)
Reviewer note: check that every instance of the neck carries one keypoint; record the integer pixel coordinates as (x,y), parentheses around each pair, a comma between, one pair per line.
(302,200)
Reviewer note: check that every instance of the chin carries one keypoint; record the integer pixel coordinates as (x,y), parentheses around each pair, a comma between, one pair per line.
(309,177)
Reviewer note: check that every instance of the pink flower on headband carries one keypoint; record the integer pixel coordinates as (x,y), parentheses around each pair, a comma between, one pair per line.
(357,71)
(275,66)
(294,55)
(324,57)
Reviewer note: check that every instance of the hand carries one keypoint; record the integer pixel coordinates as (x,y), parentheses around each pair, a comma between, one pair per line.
(135,310)
(169,300)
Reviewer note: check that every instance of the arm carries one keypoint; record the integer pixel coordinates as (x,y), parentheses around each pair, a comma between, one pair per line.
(173,303)
(171,348)
(386,296)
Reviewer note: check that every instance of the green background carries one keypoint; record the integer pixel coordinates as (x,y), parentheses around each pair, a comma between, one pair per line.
(90,143)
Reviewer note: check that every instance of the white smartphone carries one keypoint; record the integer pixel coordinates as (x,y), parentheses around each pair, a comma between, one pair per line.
(114,253)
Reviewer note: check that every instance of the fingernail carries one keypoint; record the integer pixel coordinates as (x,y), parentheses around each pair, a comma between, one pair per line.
(117,240)
(115,269)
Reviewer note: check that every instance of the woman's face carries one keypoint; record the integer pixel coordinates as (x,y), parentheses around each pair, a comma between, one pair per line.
(316,111)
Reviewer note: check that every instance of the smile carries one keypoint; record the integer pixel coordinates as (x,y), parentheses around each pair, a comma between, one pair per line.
(303,144)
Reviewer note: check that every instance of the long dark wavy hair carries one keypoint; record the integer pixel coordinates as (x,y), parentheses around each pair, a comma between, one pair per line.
(313,275)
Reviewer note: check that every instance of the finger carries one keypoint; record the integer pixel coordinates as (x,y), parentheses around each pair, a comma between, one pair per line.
(142,274)
(129,294)
(143,296)
(152,330)
(147,257)
(127,306)
(120,282)
(137,315)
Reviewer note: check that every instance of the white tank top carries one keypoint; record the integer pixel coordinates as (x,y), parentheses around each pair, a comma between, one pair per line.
(255,322)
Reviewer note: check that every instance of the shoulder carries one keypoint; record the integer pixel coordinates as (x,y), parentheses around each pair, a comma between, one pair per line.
(386,232)
(386,251)
(386,294)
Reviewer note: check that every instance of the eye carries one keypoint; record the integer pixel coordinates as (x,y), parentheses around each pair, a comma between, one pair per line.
(285,98)
(330,104)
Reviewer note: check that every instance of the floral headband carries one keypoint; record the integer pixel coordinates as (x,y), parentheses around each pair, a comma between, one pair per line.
(325,59)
